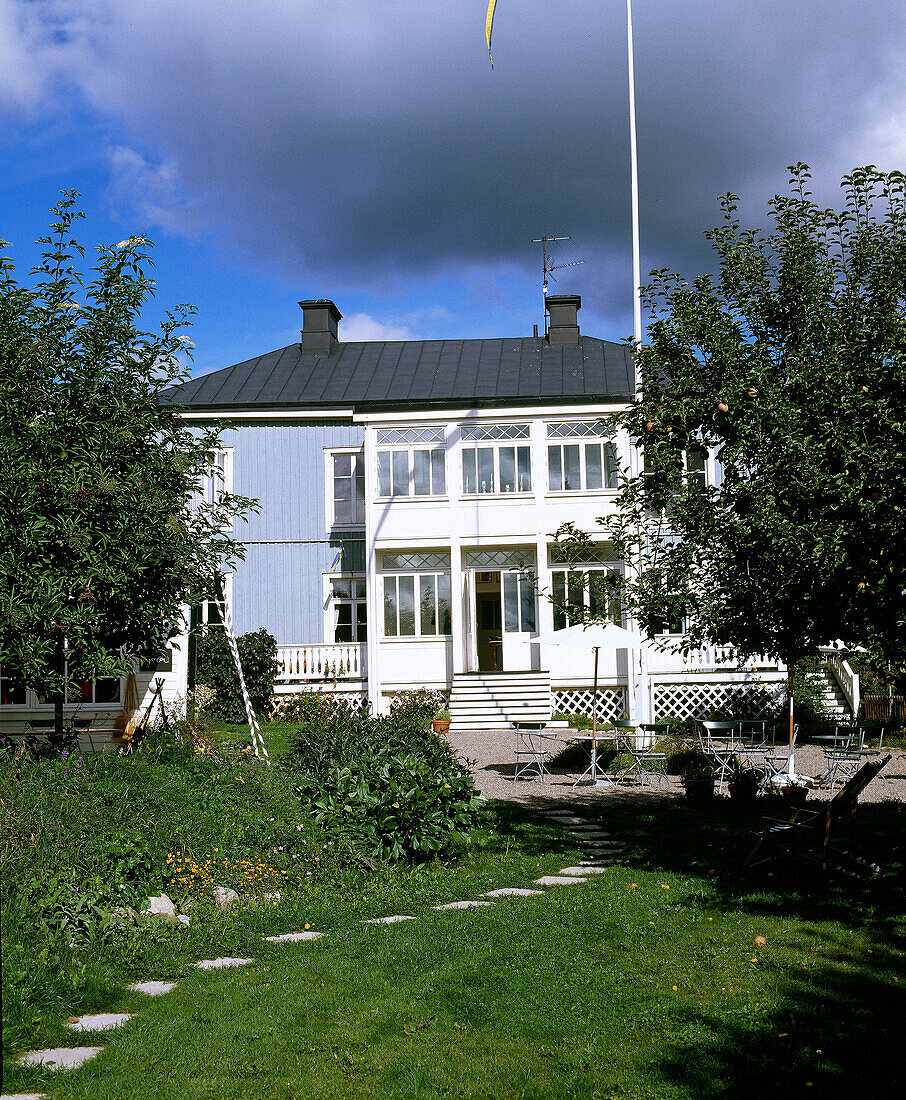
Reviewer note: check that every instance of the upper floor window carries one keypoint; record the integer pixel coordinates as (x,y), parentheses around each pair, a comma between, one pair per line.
(411,466)
(348,487)
(578,466)
(217,479)
(492,460)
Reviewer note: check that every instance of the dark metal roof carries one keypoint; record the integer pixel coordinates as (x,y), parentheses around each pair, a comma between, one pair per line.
(379,375)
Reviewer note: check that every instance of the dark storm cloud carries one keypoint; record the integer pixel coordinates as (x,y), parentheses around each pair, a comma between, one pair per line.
(370,141)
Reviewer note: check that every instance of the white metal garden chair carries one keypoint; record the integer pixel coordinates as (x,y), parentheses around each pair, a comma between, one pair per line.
(533,748)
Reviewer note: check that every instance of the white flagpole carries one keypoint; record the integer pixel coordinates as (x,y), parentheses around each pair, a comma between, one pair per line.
(633,156)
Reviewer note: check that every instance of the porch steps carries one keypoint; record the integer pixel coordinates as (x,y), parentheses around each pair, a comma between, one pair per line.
(494,700)
(833,698)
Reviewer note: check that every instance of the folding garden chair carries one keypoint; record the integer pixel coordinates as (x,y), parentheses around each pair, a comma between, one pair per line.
(756,738)
(720,743)
(842,754)
(649,753)
(532,749)
(807,834)
(774,764)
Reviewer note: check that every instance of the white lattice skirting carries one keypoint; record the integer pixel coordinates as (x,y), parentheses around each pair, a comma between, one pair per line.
(681,701)
(611,702)
(358,700)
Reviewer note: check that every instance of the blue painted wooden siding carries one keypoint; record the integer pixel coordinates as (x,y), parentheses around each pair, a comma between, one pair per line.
(279,585)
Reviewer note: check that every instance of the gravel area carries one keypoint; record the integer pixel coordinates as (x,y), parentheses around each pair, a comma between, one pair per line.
(492,757)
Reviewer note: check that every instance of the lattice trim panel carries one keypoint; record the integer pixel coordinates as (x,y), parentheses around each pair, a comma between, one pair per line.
(356,700)
(611,702)
(409,436)
(681,701)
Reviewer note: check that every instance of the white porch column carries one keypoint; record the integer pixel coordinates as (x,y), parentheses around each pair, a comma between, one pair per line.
(457,611)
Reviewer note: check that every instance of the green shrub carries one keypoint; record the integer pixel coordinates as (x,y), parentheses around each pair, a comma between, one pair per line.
(215,668)
(399,805)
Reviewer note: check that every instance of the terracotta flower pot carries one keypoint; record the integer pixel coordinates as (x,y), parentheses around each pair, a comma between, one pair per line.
(440,725)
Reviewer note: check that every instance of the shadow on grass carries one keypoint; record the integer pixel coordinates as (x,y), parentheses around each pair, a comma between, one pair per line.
(834,1029)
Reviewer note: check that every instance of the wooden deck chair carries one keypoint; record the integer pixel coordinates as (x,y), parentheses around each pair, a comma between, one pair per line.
(807,834)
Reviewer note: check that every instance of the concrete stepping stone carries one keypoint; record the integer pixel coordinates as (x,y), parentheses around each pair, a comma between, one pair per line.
(582,870)
(153,989)
(60,1057)
(101,1021)
(513,892)
(386,920)
(589,830)
(461,905)
(221,964)
(22,1096)
(559,880)
(294,937)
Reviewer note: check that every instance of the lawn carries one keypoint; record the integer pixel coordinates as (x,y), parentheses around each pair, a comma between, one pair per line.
(645,981)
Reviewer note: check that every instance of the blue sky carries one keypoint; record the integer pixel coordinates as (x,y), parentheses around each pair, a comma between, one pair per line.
(365,151)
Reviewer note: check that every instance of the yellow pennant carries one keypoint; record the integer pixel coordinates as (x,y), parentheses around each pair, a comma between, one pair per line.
(489,27)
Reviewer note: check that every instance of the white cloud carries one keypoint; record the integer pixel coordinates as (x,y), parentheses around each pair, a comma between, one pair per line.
(153,193)
(360,326)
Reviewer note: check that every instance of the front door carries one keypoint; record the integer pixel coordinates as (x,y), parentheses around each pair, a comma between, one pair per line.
(488,622)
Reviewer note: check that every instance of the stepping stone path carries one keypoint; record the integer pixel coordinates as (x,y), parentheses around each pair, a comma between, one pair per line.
(60,1057)
(22,1096)
(513,892)
(153,989)
(461,904)
(100,1022)
(587,834)
(288,937)
(221,964)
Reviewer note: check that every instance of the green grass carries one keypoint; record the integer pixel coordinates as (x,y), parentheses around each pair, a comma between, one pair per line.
(568,995)
(275,734)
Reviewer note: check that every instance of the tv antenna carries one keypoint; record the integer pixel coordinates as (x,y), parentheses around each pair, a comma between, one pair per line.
(549,268)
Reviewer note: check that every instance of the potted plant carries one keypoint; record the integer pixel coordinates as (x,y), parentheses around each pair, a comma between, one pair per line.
(698,779)
(441,721)
(743,782)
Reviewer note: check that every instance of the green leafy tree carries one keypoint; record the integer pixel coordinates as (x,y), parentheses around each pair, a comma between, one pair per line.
(788,370)
(102,535)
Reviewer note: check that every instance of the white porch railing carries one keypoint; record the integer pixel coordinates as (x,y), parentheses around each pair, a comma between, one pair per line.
(706,659)
(847,679)
(327,661)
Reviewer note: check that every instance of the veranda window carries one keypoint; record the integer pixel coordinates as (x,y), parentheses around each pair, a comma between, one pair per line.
(417,601)
(587,461)
(580,592)
(412,467)
(491,463)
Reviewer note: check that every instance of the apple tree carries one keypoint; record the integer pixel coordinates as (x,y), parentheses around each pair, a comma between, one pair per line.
(102,535)
(785,373)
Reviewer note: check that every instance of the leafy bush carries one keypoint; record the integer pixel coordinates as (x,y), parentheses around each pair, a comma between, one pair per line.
(215,669)
(399,805)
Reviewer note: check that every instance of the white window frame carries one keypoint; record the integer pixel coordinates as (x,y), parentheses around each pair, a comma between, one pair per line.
(409,450)
(391,581)
(495,447)
(609,465)
(330,502)
(332,603)
(580,576)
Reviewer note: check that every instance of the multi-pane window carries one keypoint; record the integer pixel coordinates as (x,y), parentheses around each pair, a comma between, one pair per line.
(349,487)
(217,479)
(492,460)
(416,603)
(578,593)
(100,689)
(12,690)
(349,609)
(412,467)
(519,602)
(586,462)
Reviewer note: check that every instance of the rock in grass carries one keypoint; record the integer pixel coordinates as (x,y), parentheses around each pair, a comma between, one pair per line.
(225,898)
(221,964)
(161,907)
(100,1021)
(153,989)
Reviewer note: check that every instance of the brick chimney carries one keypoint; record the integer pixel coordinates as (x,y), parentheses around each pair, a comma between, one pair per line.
(564,323)
(319,326)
